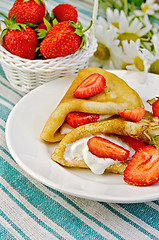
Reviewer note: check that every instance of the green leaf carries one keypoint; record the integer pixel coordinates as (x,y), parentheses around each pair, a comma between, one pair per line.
(54,22)
(31,25)
(38,2)
(47,24)
(82,42)
(154,139)
(37,49)
(41,33)
(3,34)
(15,27)
(136,3)
(78,32)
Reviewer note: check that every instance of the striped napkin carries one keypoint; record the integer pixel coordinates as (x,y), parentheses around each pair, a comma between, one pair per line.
(31,210)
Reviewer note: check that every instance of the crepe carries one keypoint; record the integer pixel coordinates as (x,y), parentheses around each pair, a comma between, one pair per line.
(144,130)
(117,96)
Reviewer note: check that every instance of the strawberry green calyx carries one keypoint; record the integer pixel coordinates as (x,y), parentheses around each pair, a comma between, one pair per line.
(10,24)
(42,32)
(156,141)
(37,1)
(79,31)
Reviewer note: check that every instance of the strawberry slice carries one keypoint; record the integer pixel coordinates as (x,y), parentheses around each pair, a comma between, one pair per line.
(76,119)
(132,142)
(134,115)
(92,85)
(155,108)
(143,167)
(104,148)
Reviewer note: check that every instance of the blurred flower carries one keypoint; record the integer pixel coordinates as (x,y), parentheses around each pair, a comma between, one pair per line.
(109,53)
(152,58)
(132,30)
(129,37)
(113,17)
(149,7)
(133,59)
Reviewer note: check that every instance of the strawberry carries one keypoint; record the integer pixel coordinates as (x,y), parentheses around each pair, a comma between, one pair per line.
(134,115)
(63,39)
(143,167)
(65,12)
(132,142)
(76,119)
(28,11)
(92,85)
(104,148)
(155,108)
(19,39)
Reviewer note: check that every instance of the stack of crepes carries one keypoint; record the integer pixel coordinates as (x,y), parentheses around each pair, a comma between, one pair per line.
(116,97)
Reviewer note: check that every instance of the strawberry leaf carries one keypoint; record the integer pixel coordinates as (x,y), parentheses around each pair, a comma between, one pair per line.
(155,139)
(41,33)
(78,32)
(47,24)
(3,34)
(54,22)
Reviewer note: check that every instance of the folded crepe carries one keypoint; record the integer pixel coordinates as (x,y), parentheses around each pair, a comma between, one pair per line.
(144,130)
(117,96)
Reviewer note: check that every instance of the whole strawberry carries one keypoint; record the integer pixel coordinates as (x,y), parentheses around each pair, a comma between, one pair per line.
(63,39)
(28,11)
(19,39)
(65,12)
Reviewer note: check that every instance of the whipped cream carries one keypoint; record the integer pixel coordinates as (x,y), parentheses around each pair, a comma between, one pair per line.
(79,151)
(65,128)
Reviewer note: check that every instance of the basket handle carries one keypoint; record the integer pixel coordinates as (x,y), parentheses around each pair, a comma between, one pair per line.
(94,17)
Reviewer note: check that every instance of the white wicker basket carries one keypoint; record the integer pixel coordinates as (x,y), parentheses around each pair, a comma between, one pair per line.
(25,75)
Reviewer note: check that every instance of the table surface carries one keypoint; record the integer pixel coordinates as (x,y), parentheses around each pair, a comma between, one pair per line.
(30,210)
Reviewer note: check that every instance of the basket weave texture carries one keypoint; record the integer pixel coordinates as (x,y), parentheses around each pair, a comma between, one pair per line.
(25,75)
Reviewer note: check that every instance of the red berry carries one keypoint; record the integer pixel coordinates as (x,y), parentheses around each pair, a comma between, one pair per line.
(134,115)
(76,119)
(65,12)
(60,41)
(132,142)
(143,167)
(21,42)
(155,108)
(28,11)
(92,85)
(104,148)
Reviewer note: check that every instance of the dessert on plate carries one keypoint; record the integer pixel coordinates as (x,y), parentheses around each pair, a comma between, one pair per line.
(115,96)
(101,124)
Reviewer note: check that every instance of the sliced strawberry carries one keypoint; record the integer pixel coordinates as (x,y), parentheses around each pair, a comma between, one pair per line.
(92,85)
(155,108)
(76,119)
(143,167)
(134,115)
(104,148)
(132,142)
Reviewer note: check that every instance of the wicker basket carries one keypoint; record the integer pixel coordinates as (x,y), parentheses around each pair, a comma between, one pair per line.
(25,75)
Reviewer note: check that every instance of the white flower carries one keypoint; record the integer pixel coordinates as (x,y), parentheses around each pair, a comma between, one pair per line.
(132,30)
(151,59)
(113,17)
(133,59)
(149,8)
(109,53)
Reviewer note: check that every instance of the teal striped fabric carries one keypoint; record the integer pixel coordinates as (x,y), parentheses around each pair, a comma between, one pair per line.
(30,210)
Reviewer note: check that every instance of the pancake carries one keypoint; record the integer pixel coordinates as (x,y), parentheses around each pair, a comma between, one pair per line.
(144,130)
(117,96)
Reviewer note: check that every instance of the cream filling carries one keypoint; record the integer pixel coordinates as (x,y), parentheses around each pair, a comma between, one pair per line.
(79,151)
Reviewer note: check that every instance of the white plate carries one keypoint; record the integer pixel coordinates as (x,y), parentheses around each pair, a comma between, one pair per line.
(25,124)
